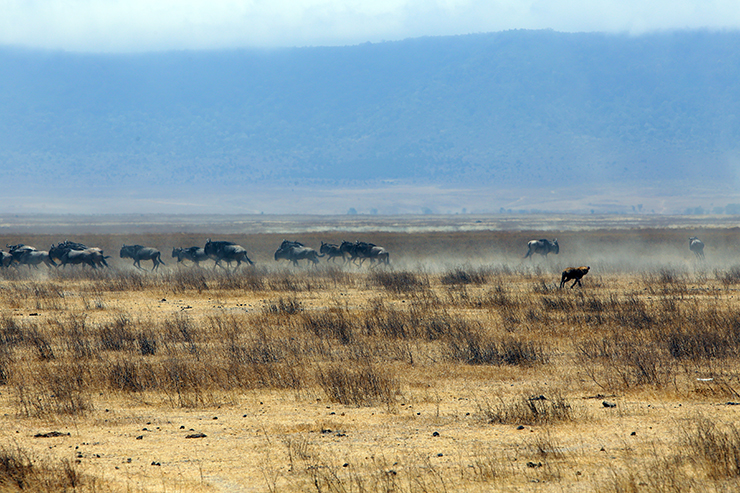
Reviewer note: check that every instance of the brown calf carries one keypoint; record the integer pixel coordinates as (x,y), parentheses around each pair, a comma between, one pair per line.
(573,273)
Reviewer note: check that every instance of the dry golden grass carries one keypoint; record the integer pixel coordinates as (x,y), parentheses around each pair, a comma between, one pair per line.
(460,368)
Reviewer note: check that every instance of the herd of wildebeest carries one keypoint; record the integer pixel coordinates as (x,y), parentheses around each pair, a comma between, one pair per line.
(72,253)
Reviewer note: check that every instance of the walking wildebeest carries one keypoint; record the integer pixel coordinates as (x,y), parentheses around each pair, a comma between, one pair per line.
(228,251)
(543,247)
(35,257)
(28,255)
(696,246)
(91,256)
(363,250)
(194,253)
(139,253)
(573,273)
(331,250)
(295,251)
(61,252)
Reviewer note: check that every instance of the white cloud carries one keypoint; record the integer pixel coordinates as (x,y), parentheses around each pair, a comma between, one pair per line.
(143,25)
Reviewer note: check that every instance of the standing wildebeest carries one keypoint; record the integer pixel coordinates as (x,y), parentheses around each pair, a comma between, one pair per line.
(331,250)
(543,247)
(195,254)
(139,253)
(696,246)
(226,250)
(65,253)
(573,273)
(295,251)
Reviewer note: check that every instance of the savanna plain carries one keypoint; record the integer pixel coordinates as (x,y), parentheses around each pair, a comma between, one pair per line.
(459,367)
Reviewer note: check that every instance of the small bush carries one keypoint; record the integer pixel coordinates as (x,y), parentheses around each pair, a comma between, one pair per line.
(529,410)
(358,386)
(718,450)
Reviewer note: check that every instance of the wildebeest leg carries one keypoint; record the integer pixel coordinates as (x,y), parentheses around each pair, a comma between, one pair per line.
(578,281)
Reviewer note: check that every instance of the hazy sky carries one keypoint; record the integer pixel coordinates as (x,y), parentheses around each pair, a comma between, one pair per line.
(145,25)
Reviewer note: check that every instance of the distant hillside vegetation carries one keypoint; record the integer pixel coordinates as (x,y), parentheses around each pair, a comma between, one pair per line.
(512,108)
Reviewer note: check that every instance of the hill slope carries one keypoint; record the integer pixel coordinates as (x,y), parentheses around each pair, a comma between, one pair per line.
(517,108)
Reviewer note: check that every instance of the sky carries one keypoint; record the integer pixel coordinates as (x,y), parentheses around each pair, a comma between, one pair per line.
(120,26)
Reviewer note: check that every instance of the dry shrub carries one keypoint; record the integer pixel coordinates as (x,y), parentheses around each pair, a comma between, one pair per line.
(118,335)
(358,385)
(19,471)
(475,348)
(460,276)
(529,410)
(329,324)
(58,390)
(716,450)
(628,362)
(284,306)
(399,282)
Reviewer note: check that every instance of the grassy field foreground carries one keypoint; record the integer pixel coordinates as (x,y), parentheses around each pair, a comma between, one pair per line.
(439,374)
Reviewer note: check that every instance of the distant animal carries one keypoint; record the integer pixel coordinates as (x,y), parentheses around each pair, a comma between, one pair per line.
(696,246)
(542,247)
(331,250)
(226,250)
(17,251)
(35,257)
(363,250)
(573,273)
(295,251)
(90,256)
(94,254)
(139,253)
(5,259)
(195,254)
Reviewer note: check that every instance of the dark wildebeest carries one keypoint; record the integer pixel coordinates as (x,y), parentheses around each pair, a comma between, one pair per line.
(331,250)
(5,259)
(35,257)
(573,273)
(195,254)
(696,246)
(139,253)
(61,251)
(228,251)
(91,256)
(295,251)
(543,247)
(17,251)
(363,250)
(28,255)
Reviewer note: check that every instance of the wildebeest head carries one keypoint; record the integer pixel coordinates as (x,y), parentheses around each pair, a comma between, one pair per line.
(554,247)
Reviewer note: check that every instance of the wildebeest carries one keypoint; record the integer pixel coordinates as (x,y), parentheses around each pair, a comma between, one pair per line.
(573,273)
(35,257)
(194,253)
(17,251)
(696,246)
(363,250)
(295,251)
(91,256)
(139,253)
(62,252)
(543,247)
(331,250)
(226,250)
(5,259)
(30,256)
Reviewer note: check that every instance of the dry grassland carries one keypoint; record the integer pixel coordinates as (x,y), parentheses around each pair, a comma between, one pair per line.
(460,368)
